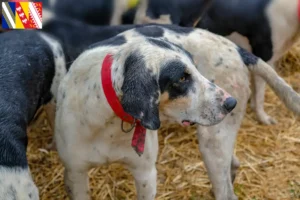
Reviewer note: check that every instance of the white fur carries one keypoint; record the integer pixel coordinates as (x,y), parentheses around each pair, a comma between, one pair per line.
(17,184)
(60,72)
(59,61)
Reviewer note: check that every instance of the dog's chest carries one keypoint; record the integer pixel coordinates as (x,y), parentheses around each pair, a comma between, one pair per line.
(111,144)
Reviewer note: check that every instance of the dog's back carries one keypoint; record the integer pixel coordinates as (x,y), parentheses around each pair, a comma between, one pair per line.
(76,36)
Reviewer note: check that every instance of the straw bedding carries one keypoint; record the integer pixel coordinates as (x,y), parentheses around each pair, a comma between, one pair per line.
(269,155)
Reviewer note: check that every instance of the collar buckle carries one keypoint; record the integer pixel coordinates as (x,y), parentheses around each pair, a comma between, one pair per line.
(130,129)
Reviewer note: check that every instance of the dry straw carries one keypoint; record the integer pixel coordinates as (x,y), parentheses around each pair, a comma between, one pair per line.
(269,155)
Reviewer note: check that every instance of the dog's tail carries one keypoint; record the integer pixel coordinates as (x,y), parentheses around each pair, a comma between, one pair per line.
(286,94)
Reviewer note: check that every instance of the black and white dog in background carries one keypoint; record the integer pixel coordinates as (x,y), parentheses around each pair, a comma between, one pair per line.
(268,28)
(180,12)
(99,12)
(31,66)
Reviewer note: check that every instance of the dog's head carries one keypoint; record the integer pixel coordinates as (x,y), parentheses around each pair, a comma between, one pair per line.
(161,83)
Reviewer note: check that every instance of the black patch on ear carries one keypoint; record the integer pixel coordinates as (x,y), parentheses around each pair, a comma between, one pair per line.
(169,79)
(140,92)
(160,43)
(114,41)
(151,31)
(247,57)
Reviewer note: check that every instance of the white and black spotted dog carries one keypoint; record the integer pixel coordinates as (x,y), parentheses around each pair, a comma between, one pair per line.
(228,66)
(154,81)
(28,63)
(268,28)
(87,128)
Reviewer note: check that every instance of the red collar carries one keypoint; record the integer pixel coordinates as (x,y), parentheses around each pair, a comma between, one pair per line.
(138,139)
(299,10)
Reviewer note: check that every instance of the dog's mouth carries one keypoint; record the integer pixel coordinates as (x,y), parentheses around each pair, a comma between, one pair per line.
(187,123)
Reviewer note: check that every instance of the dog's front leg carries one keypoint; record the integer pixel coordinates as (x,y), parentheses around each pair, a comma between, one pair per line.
(216,145)
(145,181)
(76,184)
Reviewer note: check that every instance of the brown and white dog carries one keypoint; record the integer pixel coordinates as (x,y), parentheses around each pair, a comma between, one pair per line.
(156,81)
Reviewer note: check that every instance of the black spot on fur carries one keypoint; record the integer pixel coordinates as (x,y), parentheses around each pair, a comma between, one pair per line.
(169,45)
(169,79)
(212,85)
(180,30)
(160,43)
(140,92)
(248,58)
(151,31)
(114,41)
(185,51)
(220,62)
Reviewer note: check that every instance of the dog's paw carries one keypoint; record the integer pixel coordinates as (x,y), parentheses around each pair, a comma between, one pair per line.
(265,119)
(17,184)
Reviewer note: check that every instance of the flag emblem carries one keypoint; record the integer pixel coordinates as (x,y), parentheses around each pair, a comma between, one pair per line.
(22,15)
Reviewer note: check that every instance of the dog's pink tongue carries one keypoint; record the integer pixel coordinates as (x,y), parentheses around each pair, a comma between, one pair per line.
(186,123)
(138,139)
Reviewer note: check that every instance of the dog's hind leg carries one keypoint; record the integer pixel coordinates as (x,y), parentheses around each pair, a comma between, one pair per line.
(216,145)
(259,99)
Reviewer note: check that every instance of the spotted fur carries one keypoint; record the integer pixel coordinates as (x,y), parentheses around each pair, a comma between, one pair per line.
(156,82)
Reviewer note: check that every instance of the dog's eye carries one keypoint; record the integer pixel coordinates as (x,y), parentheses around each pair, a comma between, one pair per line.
(182,79)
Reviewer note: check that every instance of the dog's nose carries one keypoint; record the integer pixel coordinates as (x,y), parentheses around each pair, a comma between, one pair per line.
(230,104)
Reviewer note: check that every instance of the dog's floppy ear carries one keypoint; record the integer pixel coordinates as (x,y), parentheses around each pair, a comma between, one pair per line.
(140,92)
